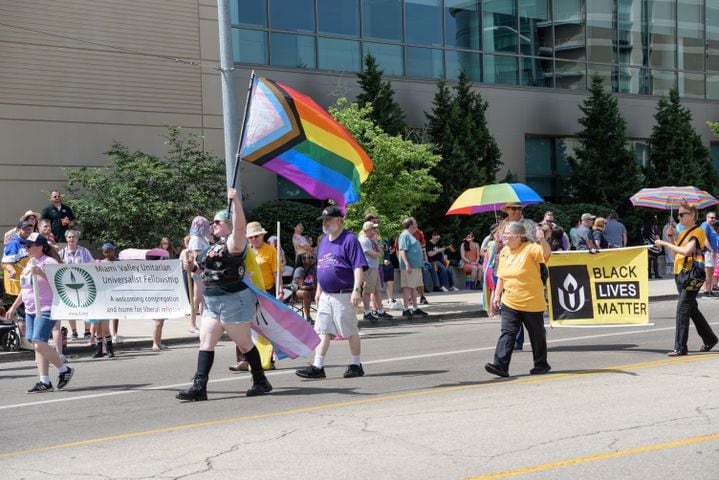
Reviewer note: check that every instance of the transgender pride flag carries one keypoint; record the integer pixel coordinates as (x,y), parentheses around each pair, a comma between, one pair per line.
(288,332)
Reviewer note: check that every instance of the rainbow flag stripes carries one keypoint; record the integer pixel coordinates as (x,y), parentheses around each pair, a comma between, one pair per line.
(288,133)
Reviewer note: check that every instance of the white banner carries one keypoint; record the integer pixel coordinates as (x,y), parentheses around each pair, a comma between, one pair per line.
(125,289)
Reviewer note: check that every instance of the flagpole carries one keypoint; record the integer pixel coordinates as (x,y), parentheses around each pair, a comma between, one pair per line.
(236,169)
(278,279)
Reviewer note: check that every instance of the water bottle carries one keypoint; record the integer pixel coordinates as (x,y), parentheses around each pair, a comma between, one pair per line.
(468,282)
(63,333)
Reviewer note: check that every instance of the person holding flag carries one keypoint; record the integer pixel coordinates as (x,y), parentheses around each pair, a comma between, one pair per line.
(229,301)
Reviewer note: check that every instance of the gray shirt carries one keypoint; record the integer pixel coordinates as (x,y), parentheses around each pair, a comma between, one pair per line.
(615,230)
(369,245)
(584,234)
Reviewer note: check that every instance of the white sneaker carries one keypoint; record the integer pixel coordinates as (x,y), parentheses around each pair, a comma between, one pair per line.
(444,289)
(117,339)
(454,289)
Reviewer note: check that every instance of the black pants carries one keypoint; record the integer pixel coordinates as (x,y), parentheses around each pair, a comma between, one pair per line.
(687,308)
(512,321)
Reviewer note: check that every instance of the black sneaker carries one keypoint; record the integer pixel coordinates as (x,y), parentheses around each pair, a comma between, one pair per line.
(423,301)
(311,372)
(87,334)
(64,378)
(74,336)
(494,370)
(384,315)
(354,371)
(419,313)
(371,317)
(41,388)
(407,312)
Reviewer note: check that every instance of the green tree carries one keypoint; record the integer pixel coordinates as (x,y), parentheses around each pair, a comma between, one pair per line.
(604,170)
(138,198)
(677,155)
(400,180)
(386,112)
(457,129)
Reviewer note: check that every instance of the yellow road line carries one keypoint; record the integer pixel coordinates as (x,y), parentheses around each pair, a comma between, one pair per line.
(225,421)
(593,458)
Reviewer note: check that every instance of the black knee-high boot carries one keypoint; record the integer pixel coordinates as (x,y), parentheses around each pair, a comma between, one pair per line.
(260,384)
(198,391)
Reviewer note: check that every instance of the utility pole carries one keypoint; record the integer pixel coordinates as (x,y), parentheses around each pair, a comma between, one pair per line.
(229,99)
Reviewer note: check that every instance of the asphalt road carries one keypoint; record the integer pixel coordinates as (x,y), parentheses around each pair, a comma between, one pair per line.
(614,406)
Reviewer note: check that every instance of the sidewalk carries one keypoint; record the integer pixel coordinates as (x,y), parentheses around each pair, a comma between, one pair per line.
(442,306)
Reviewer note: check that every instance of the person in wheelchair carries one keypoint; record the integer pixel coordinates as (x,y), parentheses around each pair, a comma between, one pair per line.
(305,279)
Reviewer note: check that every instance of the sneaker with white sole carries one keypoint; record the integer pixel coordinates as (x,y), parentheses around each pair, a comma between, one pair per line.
(41,388)
(64,378)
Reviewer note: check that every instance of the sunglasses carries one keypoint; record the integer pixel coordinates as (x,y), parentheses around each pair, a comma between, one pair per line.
(681,214)
(254,236)
(217,222)
(515,208)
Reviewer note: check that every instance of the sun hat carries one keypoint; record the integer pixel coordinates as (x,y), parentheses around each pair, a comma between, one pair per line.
(30,213)
(254,228)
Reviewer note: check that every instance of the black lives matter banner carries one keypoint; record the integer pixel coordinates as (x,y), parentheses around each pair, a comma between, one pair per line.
(609,287)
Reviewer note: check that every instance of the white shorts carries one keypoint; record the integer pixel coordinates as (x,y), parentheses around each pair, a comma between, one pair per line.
(710,259)
(336,315)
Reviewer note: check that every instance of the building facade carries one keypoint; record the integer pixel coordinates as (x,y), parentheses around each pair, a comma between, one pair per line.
(83,73)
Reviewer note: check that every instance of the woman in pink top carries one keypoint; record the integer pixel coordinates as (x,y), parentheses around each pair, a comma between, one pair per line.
(38,325)
(300,242)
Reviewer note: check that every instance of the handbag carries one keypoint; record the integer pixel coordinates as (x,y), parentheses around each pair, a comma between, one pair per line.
(691,279)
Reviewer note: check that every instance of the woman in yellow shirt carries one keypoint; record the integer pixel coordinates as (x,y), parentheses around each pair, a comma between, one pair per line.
(520,292)
(688,241)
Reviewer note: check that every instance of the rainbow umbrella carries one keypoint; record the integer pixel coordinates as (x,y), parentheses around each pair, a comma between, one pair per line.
(669,198)
(491,198)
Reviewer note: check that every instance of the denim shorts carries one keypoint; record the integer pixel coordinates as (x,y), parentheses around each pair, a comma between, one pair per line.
(38,328)
(235,307)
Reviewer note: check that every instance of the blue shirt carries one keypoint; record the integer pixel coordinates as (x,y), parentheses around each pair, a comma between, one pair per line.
(711,236)
(408,242)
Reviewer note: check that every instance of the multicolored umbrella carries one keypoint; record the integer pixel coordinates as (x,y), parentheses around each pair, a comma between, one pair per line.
(491,198)
(669,198)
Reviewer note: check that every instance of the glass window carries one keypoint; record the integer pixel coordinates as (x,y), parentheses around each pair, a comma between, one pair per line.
(538,156)
(633,80)
(606,72)
(713,87)
(338,17)
(467,62)
(714,154)
(423,22)
(536,72)
(296,51)
(600,31)
(662,46)
(632,36)
(500,69)
(461,24)
(382,19)
(690,40)
(339,55)
(570,75)
(535,27)
(569,43)
(249,46)
(253,12)
(662,82)
(389,57)
(712,25)
(296,15)
(568,11)
(424,62)
(565,147)
(499,26)
(691,85)
(641,152)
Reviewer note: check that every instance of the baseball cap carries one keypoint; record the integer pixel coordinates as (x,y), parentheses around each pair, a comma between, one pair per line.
(223,216)
(108,245)
(35,239)
(23,224)
(331,211)
(588,216)
(368,225)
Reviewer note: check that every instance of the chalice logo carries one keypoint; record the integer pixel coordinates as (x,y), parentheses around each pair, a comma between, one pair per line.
(75,287)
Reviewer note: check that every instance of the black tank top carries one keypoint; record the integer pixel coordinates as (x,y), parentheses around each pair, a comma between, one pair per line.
(222,271)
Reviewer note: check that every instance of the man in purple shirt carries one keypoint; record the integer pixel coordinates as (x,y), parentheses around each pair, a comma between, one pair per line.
(340,266)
